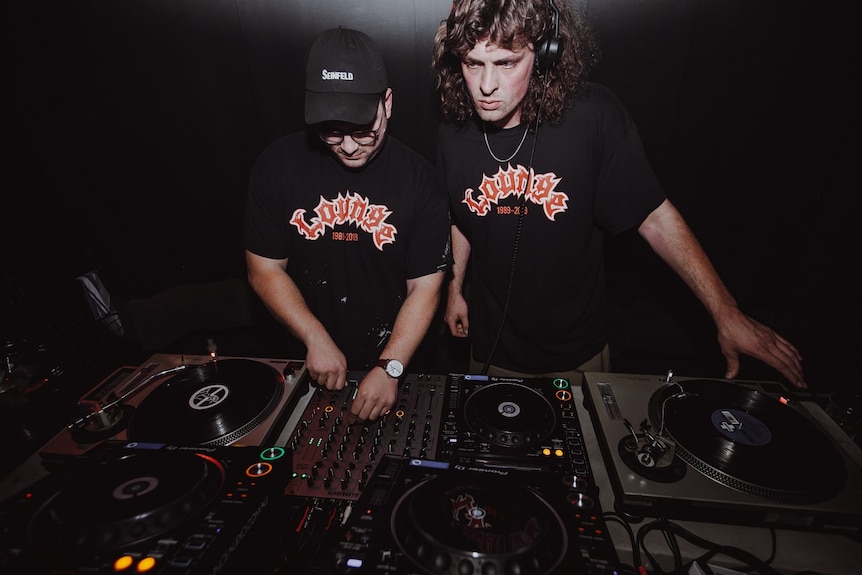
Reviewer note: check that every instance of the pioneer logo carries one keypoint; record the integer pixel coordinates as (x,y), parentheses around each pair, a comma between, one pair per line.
(327,75)
(217,568)
(500,472)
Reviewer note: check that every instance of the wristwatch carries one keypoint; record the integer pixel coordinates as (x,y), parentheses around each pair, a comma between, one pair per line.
(392,367)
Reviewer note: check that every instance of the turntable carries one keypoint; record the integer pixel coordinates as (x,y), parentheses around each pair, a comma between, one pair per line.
(184,400)
(422,516)
(737,452)
(148,508)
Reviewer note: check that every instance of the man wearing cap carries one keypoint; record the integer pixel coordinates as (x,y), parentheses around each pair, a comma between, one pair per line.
(346,229)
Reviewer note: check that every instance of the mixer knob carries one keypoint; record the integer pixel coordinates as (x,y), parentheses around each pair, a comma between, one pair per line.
(327,482)
(309,481)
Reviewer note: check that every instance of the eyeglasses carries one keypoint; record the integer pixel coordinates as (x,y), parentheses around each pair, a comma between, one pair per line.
(361,137)
(364,137)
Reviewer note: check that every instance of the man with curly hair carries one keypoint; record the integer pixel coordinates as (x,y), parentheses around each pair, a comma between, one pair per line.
(540,164)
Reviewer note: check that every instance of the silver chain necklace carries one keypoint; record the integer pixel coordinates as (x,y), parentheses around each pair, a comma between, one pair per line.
(518,149)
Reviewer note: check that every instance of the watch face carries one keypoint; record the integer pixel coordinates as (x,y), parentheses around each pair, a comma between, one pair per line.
(394,368)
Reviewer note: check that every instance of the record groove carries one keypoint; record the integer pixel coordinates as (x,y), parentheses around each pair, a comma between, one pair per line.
(749,441)
(216,403)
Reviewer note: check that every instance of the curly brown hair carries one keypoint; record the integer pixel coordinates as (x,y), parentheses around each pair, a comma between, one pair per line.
(514,24)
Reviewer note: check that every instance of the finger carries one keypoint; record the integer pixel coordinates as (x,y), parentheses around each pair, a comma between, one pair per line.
(339,382)
(454,327)
(732,367)
(789,347)
(353,416)
(786,363)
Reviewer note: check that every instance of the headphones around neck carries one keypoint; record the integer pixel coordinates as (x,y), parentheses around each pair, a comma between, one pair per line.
(550,48)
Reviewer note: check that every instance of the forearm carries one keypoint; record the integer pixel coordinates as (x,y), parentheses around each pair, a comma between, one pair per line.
(460,256)
(281,296)
(670,237)
(414,318)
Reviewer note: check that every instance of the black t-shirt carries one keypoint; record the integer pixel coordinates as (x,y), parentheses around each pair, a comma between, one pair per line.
(591,178)
(352,237)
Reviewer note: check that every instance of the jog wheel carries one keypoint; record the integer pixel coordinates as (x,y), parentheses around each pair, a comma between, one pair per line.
(453,526)
(510,415)
(123,501)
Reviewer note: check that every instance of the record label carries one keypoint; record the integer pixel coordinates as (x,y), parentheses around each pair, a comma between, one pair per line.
(741,427)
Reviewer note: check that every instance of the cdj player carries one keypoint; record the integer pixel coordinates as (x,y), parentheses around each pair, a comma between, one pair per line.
(438,518)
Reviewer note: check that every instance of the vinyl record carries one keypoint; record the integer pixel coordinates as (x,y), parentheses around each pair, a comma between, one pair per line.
(211,404)
(749,441)
(445,524)
(122,501)
(509,414)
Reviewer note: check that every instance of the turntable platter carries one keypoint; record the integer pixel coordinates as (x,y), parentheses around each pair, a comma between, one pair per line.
(211,404)
(749,441)
(484,525)
(123,501)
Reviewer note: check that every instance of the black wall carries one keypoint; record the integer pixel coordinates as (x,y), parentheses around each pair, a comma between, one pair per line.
(130,127)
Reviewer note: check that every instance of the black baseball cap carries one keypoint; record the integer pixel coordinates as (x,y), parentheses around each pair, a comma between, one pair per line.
(344,79)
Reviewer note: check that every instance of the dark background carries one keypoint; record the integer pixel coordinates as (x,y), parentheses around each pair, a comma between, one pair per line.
(129,129)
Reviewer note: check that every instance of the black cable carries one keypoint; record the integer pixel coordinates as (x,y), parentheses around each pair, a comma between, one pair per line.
(517,240)
(636,556)
(740,555)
